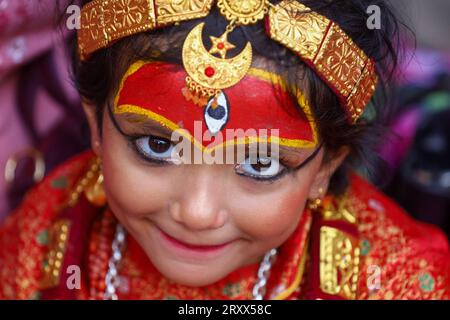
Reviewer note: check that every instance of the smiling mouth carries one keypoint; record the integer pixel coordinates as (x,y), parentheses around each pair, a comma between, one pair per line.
(192,247)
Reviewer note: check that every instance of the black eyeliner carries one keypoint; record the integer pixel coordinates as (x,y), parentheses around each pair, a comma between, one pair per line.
(309,159)
(272,179)
(132,144)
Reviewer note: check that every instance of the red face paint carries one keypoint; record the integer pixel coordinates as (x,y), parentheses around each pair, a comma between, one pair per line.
(155,90)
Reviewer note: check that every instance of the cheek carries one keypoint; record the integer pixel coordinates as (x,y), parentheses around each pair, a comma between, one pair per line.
(133,188)
(272,217)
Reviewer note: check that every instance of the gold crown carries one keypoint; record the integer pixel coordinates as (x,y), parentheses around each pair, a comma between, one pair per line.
(319,42)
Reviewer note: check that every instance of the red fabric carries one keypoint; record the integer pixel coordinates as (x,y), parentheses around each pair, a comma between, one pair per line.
(22,236)
(413,257)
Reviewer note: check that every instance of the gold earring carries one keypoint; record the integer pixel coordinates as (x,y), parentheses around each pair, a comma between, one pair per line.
(316,203)
(93,190)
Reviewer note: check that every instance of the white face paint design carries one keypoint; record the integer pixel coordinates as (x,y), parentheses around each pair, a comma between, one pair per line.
(217,118)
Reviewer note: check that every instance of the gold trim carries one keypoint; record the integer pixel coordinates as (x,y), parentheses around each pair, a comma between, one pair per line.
(343,211)
(298,277)
(169,11)
(297,28)
(105,21)
(322,44)
(339,262)
(328,50)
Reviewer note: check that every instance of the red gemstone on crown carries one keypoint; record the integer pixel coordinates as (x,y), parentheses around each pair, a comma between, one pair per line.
(220,46)
(209,72)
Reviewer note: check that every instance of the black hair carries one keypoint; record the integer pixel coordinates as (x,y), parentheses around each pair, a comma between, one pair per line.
(97,79)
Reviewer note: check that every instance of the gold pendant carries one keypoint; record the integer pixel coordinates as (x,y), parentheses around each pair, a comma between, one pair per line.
(208,74)
(243,12)
(94,191)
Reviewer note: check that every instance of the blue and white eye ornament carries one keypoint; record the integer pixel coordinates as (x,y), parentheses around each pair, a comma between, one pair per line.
(217,113)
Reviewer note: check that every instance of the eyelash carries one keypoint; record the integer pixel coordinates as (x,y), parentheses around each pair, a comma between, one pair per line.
(286,170)
(132,143)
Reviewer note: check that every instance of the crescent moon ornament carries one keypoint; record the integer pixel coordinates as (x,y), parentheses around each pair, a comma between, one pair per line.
(208,75)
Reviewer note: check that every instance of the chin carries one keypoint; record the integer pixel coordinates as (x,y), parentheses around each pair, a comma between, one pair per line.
(190,274)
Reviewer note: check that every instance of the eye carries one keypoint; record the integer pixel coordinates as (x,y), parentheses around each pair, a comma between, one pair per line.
(261,168)
(155,148)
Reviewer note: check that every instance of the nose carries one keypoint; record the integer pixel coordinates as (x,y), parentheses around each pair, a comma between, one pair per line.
(198,206)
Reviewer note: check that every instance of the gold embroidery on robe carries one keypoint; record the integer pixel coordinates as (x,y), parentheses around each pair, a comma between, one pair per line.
(339,263)
(58,237)
(341,211)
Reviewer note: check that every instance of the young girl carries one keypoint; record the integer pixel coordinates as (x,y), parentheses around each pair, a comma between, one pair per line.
(143,216)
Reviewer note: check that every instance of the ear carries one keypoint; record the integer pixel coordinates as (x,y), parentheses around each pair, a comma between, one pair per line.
(89,110)
(322,180)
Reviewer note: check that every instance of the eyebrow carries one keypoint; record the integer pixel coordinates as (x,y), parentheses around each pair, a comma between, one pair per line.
(140,124)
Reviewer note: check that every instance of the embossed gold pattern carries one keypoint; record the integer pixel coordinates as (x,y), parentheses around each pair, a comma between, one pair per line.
(339,263)
(103,22)
(328,50)
(317,40)
(169,11)
(296,27)
(243,12)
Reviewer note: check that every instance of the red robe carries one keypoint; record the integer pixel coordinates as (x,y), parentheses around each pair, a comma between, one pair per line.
(359,246)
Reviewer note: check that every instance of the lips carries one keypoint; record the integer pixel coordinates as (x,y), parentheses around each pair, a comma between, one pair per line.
(192,247)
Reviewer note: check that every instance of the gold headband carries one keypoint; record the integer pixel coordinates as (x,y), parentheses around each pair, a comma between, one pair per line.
(319,42)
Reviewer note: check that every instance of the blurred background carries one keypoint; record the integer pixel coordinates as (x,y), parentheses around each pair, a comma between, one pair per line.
(42,124)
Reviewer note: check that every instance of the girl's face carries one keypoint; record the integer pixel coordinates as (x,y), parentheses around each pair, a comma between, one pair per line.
(197,223)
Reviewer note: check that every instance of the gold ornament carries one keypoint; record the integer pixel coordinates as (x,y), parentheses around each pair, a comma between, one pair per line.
(208,75)
(105,21)
(243,12)
(318,41)
(91,185)
(342,211)
(221,45)
(339,262)
(328,50)
(94,191)
(170,11)
(314,204)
